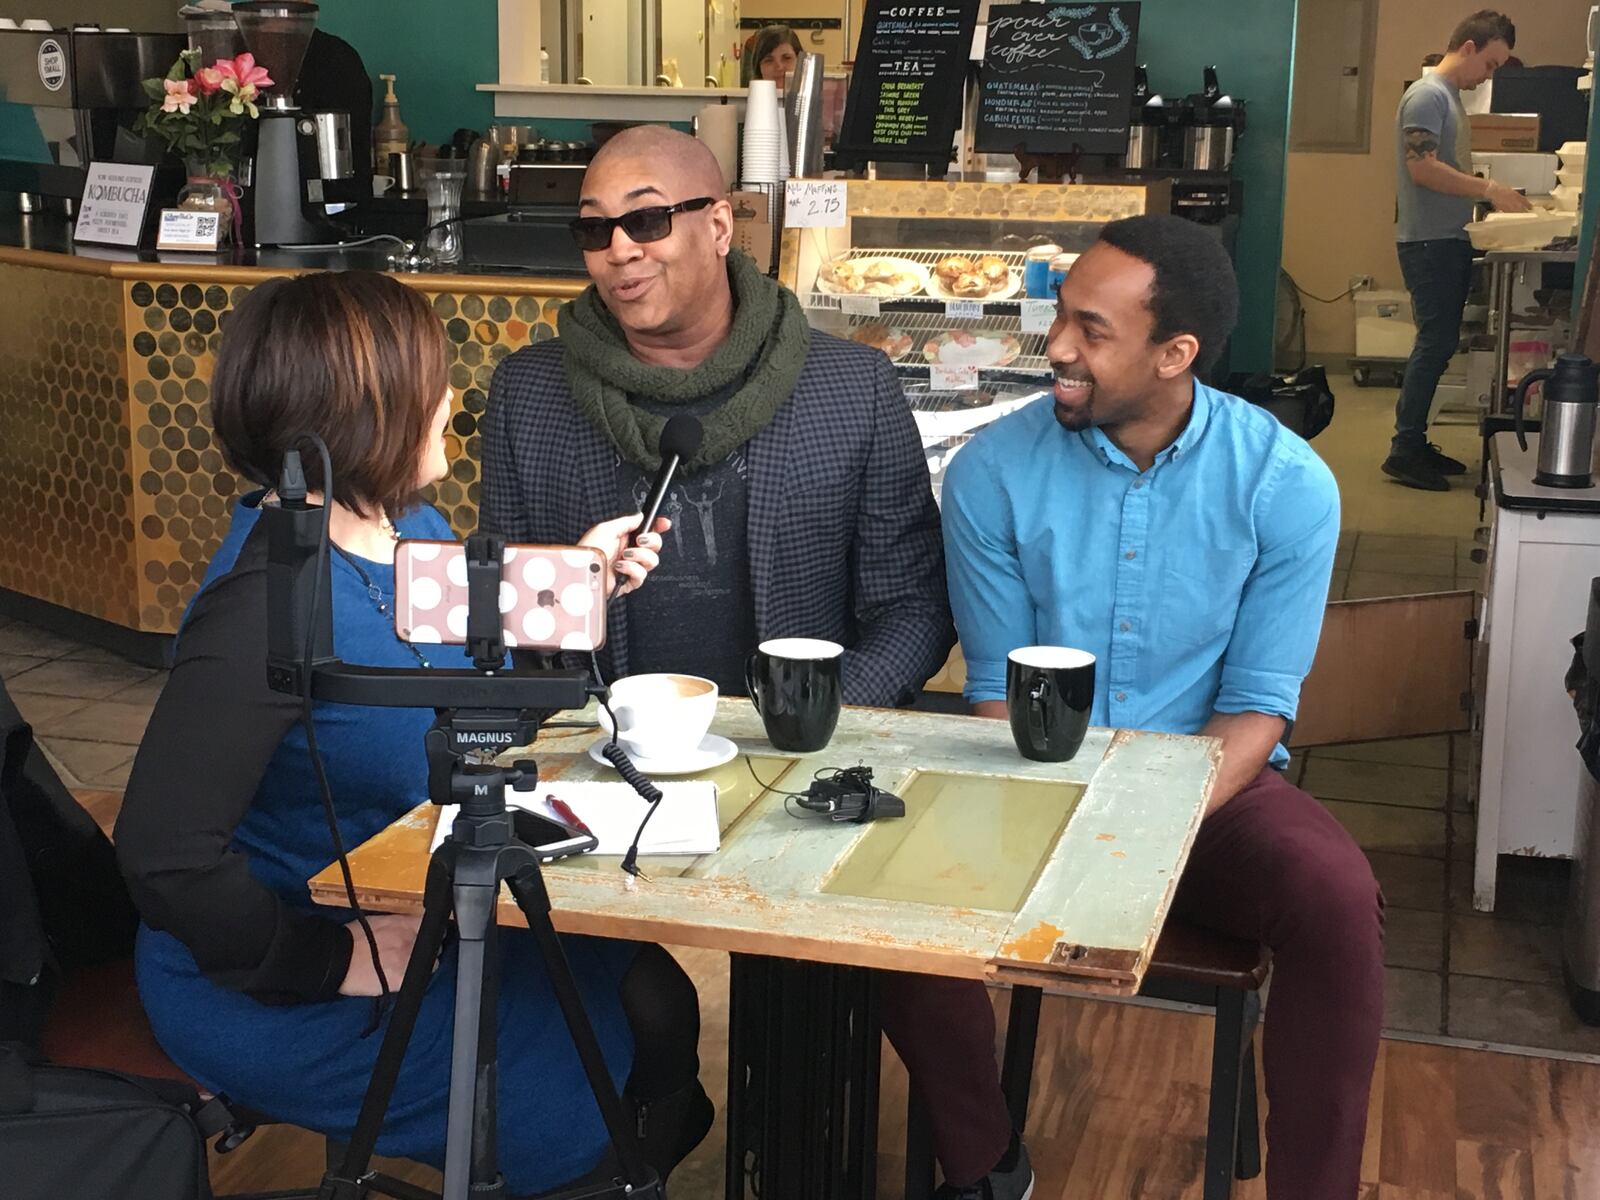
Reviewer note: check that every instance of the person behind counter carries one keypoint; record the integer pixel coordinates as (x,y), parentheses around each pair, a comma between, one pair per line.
(252,989)
(807,512)
(1185,538)
(1436,192)
(771,54)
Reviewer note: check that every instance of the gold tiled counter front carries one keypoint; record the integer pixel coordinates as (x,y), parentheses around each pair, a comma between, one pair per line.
(113,495)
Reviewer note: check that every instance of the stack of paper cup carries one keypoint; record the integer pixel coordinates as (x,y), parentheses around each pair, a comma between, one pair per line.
(763,135)
(717,125)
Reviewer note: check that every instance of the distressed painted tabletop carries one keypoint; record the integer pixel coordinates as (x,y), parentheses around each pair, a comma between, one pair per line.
(1052,873)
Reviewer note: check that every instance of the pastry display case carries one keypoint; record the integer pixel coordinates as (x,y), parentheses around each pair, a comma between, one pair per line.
(953,281)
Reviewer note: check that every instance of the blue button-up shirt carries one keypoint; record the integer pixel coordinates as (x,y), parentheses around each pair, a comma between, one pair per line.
(1199,585)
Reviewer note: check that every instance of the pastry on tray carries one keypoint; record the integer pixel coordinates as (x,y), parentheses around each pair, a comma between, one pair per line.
(952,267)
(969,286)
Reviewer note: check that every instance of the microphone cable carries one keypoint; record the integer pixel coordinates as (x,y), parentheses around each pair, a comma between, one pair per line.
(635,778)
(324,540)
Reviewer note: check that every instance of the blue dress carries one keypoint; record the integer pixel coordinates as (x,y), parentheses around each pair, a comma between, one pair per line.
(308,1064)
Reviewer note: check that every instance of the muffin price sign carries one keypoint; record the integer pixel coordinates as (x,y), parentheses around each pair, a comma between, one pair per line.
(1058,78)
(905,93)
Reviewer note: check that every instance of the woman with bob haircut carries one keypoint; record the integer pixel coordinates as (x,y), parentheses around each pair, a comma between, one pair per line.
(250,987)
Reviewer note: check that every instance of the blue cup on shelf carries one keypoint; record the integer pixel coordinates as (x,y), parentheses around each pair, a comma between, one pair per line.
(1060,266)
(1036,272)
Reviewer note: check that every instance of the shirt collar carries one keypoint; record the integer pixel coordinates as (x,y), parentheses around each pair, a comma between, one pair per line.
(1199,417)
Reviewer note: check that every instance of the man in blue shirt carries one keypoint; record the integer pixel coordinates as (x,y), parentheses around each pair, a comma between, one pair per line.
(1435,192)
(1185,538)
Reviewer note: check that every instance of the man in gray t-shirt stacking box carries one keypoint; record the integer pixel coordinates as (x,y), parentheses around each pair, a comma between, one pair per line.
(1436,191)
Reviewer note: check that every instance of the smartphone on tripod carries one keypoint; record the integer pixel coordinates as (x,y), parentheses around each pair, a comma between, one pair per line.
(551,597)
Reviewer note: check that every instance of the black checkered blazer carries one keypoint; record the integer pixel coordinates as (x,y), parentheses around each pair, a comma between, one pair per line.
(843,532)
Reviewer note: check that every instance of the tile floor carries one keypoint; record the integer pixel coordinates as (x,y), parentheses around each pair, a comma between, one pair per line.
(1452,972)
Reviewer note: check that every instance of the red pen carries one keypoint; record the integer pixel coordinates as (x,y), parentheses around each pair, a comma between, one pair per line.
(564,811)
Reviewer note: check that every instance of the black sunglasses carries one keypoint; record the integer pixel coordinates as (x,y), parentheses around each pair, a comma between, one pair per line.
(642,224)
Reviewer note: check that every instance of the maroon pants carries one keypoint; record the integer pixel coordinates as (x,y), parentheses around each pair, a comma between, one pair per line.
(1271,865)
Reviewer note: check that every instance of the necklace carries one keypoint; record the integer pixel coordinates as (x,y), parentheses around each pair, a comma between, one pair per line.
(375,594)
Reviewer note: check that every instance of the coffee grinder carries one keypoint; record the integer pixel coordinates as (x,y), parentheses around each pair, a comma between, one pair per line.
(304,168)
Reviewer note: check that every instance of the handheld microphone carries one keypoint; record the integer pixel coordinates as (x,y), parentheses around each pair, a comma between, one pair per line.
(680,438)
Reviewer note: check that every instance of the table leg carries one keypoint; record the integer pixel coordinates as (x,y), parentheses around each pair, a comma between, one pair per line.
(803,1059)
(1501,287)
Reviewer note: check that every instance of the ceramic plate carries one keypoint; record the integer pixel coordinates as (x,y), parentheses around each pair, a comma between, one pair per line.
(883,276)
(960,347)
(711,752)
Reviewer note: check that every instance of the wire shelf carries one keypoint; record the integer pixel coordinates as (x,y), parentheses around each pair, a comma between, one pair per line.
(923,316)
(819,299)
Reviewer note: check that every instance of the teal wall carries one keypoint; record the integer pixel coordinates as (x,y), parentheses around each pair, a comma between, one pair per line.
(1251,43)
(438,52)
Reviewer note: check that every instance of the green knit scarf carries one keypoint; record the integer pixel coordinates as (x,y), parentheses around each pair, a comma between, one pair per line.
(766,347)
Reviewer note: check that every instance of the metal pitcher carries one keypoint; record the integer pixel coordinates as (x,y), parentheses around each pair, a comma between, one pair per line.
(1566,437)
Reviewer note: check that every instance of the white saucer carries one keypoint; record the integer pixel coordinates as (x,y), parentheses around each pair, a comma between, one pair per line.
(712,752)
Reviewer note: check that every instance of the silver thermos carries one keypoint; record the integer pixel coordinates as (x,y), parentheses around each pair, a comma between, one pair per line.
(1566,435)
(1144,125)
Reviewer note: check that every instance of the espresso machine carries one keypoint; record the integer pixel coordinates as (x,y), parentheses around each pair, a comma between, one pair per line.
(303,167)
(84,90)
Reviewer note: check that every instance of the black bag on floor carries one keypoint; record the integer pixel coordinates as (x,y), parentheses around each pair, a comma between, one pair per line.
(97,1135)
(1302,402)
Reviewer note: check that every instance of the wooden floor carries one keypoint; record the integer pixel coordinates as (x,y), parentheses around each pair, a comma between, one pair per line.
(1119,1114)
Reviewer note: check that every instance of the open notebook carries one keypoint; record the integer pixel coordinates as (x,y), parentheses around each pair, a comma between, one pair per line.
(686,822)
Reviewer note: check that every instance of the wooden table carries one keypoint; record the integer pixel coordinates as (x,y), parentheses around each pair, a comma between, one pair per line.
(1041,874)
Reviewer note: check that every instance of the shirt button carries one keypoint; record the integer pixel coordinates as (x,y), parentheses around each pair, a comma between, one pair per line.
(1121,696)
(1138,483)
(1131,554)
(1125,627)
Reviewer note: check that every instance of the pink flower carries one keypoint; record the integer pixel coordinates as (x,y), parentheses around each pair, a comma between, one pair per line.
(243,72)
(179,98)
(207,80)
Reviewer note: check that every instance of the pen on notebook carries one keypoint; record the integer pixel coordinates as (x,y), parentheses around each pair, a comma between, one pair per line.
(564,811)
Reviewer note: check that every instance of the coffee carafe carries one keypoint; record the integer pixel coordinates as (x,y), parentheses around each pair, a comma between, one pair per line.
(1566,436)
(1215,124)
(1145,123)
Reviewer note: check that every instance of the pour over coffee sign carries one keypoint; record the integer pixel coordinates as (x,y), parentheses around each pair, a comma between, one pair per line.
(905,92)
(116,197)
(1058,78)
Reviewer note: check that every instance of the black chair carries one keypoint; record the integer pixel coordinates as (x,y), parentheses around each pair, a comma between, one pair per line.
(1190,966)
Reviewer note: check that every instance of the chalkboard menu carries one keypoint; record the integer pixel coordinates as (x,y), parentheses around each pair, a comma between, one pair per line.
(906,89)
(1058,78)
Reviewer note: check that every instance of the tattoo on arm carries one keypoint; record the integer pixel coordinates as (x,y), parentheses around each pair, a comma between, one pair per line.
(1421,143)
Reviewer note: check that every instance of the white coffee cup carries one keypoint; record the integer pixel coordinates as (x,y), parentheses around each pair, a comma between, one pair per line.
(381,184)
(661,715)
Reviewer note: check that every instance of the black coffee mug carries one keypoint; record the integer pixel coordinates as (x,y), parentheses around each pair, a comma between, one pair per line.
(1049,692)
(795,685)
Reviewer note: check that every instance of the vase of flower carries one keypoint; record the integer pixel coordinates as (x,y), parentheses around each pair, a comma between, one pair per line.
(209,189)
(200,111)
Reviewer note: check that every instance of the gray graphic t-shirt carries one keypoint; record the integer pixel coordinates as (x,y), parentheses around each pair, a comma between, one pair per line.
(1434,104)
(696,613)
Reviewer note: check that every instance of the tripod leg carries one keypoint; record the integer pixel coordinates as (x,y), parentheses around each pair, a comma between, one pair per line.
(408,1003)
(527,886)
(474,904)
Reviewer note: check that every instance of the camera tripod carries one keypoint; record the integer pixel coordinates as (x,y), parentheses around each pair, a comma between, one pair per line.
(464,877)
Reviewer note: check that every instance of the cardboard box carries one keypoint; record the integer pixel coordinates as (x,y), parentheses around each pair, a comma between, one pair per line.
(1505,131)
(752,226)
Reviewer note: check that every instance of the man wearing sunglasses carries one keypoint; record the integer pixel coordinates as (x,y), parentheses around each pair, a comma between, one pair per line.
(806,512)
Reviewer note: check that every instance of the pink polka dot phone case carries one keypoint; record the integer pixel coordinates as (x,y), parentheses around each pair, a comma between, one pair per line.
(551,597)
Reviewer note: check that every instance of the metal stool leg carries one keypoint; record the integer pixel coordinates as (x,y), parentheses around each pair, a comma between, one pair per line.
(1222,1121)
(1247,1153)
